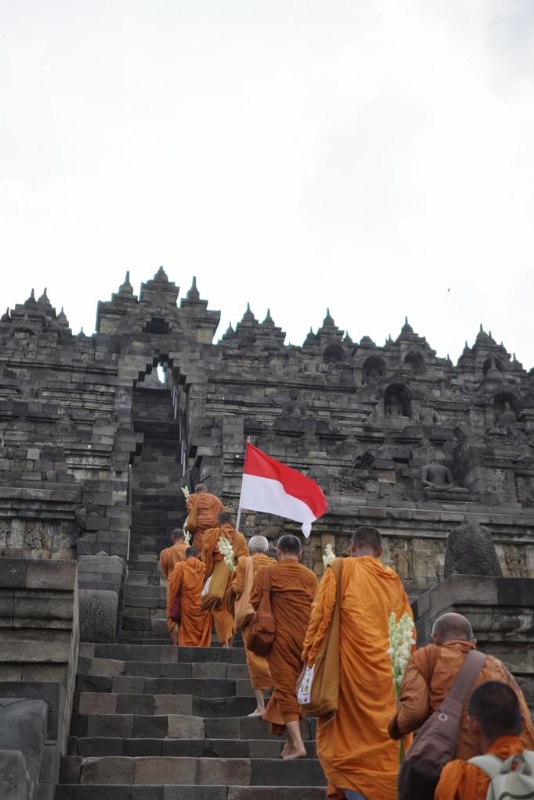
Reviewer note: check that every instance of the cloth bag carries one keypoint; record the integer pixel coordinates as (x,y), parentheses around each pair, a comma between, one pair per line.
(214,590)
(191,521)
(243,610)
(435,744)
(318,685)
(176,609)
(261,636)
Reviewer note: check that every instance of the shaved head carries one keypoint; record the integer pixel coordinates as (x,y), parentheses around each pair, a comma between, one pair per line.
(366,541)
(258,544)
(452,626)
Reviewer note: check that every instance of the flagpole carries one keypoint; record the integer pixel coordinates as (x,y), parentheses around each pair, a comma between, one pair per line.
(238,520)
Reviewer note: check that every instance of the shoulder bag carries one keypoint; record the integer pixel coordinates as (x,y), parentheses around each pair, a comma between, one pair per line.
(435,744)
(318,686)
(261,636)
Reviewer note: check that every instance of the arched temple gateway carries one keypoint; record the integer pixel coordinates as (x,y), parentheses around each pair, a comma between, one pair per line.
(95,447)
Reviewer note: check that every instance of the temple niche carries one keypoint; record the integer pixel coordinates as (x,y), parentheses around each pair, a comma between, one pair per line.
(397,401)
(95,448)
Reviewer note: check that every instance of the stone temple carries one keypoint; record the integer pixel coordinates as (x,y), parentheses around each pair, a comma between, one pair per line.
(98,435)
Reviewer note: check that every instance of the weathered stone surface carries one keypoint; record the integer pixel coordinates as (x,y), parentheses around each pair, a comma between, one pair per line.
(470,551)
(23,726)
(165,771)
(185,727)
(98,615)
(15,782)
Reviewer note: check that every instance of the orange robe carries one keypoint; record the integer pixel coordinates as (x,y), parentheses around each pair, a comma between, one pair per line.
(258,666)
(462,781)
(208,509)
(170,556)
(222,619)
(354,748)
(195,626)
(293,588)
(429,677)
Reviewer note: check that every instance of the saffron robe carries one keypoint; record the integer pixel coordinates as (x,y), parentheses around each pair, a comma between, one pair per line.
(187,578)
(218,571)
(462,781)
(258,666)
(170,556)
(293,588)
(208,509)
(354,748)
(428,679)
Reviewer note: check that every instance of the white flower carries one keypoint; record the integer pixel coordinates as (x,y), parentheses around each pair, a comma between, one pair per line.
(329,555)
(185,492)
(401,641)
(187,538)
(227,552)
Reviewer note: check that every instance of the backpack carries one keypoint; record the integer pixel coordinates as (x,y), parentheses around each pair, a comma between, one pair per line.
(435,744)
(506,782)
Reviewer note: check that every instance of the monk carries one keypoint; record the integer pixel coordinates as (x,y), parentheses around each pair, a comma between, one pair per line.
(494,726)
(293,588)
(356,753)
(430,674)
(207,508)
(219,573)
(188,579)
(238,594)
(168,558)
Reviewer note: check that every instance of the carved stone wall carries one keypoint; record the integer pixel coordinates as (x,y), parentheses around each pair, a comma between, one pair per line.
(94,448)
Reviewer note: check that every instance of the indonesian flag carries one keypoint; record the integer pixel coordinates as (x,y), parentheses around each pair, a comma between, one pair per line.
(272,487)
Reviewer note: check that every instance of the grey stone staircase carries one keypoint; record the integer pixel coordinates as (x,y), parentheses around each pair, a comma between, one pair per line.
(157,722)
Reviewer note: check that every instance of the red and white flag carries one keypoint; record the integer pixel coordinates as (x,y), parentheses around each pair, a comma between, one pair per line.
(272,487)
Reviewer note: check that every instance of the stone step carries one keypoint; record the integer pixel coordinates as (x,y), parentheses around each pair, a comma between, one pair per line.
(176,770)
(146,579)
(145,592)
(89,669)
(184,792)
(180,721)
(162,653)
(144,702)
(196,748)
(144,626)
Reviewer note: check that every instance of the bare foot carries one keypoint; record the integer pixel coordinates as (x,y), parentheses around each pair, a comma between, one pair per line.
(300,753)
(258,712)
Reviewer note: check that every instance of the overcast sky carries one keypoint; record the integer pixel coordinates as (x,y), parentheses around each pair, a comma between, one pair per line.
(373,157)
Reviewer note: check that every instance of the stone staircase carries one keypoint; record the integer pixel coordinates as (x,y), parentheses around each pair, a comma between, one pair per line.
(157,722)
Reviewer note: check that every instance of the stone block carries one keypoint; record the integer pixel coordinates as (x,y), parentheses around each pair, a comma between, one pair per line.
(135,704)
(97,703)
(106,666)
(185,727)
(224,728)
(196,793)
(59,574)
(15,782)
(13,572)
(110,725)
(50,761)
(98,615)
(150,727)
(173,704)
(225,772)
(26,651)
(165,771)
(23,726)
(107,770)
(124,684)
(145,747)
